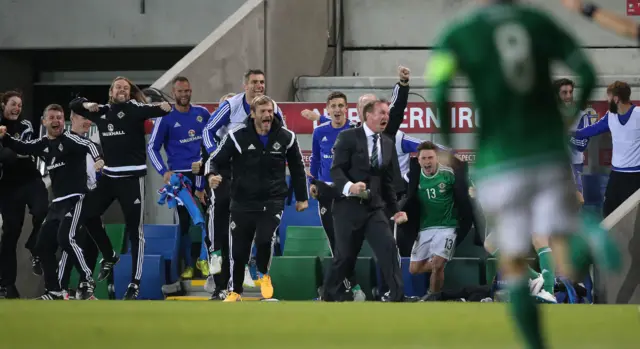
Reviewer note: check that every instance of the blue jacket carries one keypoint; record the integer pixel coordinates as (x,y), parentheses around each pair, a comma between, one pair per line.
(181,136)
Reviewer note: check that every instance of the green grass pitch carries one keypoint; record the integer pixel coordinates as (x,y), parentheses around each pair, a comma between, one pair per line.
(300,325)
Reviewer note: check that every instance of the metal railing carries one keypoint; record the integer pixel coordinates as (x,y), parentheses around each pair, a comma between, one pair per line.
(42,167)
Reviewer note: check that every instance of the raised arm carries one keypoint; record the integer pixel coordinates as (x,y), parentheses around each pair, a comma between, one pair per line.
(341,162)
(599,127)
(296,169)
(606,19)
(146,111)
(399,100)
(156,141)
(35,147)
(89,110)
(220,117)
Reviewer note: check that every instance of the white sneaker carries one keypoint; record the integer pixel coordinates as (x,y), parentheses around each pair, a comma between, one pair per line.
(210,284)
(248,280)
(215,264)
(535,285)
(546,297)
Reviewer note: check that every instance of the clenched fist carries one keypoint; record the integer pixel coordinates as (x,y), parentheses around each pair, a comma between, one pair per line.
(309,115)
(3,131)
(165,106)
(196,166)
(400,217)
(301,205)
(404,73)
(214,181)
(357,188)
(90,106)
(98,165)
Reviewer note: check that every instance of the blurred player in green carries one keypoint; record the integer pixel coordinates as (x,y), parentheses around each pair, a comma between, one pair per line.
(522,174)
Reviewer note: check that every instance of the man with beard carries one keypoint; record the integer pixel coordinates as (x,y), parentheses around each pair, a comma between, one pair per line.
(323,139)
(258,153)
(21,185)
(624,178)
(65,157)
(564,88)
(180,132)
(121,124)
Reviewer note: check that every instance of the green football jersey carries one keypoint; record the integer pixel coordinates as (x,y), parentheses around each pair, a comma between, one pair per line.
(435,194)
(506,51)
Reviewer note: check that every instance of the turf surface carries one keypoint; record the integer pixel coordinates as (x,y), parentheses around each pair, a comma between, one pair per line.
(300,325)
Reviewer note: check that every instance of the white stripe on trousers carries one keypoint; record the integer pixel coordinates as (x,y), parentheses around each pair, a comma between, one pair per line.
(210,224)
(72,241)
(62,265)
(230,284)
(138,275)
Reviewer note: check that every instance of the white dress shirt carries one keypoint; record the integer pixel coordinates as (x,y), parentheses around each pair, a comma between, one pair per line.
(369,134)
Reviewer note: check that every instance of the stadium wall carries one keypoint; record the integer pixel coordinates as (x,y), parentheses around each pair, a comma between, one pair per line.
(371,49)
(36,24)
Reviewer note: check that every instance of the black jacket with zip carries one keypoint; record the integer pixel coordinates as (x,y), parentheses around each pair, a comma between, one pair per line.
(259,172)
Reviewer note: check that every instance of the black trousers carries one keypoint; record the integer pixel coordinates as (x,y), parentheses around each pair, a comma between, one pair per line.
(33,194)
(243,228)
(354,222)
(129,191)
(60,228)
(93,240)
(325,208)
(218,230)
(620,187)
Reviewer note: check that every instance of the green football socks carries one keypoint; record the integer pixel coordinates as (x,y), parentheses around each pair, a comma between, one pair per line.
(525,313)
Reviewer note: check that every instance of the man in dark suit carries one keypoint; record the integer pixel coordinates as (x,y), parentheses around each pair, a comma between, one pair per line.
(362,170)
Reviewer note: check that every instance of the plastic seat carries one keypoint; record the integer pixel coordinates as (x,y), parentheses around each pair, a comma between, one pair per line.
(295,277)
(153,277)
(164,240)
(306,241)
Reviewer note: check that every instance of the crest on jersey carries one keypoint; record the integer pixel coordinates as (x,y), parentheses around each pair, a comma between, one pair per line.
(121,114)
(60,147)
(592,115)
(199,118)
(192,133)
(276,146)
(442,186)
(110,128)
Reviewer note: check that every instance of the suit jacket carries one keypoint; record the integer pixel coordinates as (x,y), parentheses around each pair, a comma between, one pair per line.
(467,216)
(351,164)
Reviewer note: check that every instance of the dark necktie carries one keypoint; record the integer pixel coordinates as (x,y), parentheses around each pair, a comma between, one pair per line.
(374,151)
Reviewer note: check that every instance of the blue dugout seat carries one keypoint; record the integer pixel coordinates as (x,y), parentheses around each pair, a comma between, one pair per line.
(153,277)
